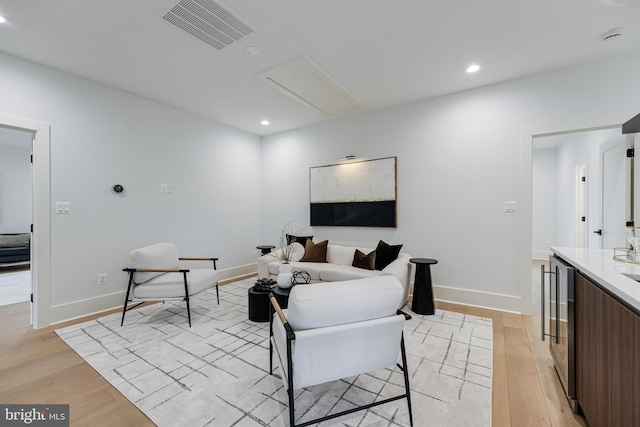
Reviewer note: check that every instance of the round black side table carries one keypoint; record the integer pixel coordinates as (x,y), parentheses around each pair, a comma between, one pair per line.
(265,249)
(422,288)
(258,305)
(282,296)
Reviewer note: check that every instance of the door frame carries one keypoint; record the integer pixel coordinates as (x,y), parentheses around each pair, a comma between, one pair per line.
(580,202)
(41,236)
(526,191)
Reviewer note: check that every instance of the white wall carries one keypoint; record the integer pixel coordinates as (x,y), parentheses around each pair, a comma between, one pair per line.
(545,201)
(459,159)
(101,137)
(15,188)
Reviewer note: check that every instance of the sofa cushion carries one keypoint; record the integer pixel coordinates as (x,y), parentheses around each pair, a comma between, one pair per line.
(14,240)
(159,256)
(338,273)
(366,261)
(315,252)
(340,255)
(386,254)
(171,285)
(313,268)
(337,303)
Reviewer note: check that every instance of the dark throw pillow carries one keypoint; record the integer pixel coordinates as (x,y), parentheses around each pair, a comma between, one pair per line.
(300,239)
(386,254)
(315,252)
(368,262)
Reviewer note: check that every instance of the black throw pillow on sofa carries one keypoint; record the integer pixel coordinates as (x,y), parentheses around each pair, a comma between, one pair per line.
(386,254)
(300,239)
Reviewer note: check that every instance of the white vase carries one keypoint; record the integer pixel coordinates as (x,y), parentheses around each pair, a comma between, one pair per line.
(284,278)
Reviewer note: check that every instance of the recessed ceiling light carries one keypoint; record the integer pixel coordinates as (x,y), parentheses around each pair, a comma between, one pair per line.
(2,19)
(473,68)
(265,123)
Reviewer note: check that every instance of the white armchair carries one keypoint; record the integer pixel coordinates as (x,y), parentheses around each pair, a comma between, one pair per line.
(155,275)
(335,330)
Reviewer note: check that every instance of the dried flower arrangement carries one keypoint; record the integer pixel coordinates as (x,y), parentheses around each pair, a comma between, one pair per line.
(286,251)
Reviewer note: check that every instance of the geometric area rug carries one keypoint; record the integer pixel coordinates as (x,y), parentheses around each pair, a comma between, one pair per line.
(216,373)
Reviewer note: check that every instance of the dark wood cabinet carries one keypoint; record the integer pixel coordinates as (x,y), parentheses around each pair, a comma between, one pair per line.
(622,366)
(607,357)
(636,371)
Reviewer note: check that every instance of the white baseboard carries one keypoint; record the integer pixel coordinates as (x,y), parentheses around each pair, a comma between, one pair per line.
(479,299)
(77,309)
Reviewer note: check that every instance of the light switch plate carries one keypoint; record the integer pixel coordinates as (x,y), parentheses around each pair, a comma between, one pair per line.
(510,207)
(63,207)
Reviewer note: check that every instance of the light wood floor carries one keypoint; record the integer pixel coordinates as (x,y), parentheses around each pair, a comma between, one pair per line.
(37,367)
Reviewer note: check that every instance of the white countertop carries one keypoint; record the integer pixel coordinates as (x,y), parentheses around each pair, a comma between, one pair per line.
(599,265)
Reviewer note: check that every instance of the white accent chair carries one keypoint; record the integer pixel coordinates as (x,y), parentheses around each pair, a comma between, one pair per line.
(335,330)
(155,275)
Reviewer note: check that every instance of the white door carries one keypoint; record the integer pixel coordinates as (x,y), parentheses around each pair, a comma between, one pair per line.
(613,163)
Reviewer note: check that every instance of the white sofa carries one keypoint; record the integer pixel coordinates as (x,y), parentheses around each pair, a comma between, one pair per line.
(338,266)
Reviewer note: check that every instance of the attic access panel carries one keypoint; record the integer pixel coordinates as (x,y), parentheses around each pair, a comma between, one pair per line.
(302,80)
(360,194)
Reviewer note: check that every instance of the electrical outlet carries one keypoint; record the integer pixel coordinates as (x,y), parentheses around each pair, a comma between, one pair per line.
(102,279)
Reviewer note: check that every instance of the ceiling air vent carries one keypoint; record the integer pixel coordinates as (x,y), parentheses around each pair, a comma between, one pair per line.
(304,81)
(209,21)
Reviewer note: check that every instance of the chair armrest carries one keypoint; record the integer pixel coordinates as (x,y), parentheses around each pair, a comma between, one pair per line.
(201,259)
(151,270)
(274,303)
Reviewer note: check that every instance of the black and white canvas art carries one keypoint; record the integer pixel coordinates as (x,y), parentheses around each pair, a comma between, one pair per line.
(359,193)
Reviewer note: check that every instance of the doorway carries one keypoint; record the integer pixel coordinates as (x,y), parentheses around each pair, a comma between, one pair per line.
(549,212)
(41,310)
(16,213)
(571,187)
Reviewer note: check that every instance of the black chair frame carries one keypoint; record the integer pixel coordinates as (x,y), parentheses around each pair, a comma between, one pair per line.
(184,272)
(291,336)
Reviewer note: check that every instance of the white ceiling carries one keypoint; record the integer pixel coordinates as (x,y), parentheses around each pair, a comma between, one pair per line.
(384,52)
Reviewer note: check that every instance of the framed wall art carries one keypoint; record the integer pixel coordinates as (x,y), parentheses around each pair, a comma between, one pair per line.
(358,193)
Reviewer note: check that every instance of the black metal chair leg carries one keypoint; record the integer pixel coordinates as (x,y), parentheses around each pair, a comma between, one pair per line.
(405,370)
(188,311)
(217,294)
(270,339)
(126,298)
(292,422)
(186,298)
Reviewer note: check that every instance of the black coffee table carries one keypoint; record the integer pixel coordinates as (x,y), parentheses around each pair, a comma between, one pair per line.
(258,305)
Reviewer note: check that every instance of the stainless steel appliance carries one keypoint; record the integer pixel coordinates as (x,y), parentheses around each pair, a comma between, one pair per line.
(561,321)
